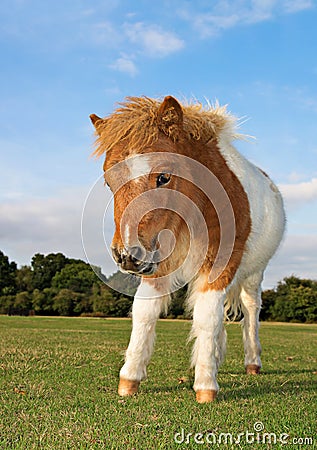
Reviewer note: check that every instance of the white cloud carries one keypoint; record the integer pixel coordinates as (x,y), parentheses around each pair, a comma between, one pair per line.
(46,225)
(293,6)
(297,256)
(125,64)
(113,90)
(295,177)
(153,40)
(210,24)
(297,194)
(224,15)
(50,225)
(302,97)
(103,33)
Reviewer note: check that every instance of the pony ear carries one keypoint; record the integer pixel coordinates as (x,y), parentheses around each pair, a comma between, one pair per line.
(96,121)
(170,117)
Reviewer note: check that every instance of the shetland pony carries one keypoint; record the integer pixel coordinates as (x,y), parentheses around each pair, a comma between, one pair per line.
(188,208)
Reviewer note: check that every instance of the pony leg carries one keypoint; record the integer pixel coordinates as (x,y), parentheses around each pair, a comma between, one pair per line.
(146,309)
(210,343)
(251,304)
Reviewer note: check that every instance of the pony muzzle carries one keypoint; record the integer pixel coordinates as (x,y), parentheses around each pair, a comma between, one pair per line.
(136,260)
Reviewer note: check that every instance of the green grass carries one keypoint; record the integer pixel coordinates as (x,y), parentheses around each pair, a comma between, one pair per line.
(58,387)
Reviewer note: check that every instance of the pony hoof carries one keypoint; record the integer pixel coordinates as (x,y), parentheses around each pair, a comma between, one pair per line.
(206,395)
(252,369)
(127,387)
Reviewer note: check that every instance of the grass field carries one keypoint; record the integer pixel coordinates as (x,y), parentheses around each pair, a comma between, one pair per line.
(58,382)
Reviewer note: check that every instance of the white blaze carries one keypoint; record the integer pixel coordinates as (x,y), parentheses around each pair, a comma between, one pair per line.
(139,165)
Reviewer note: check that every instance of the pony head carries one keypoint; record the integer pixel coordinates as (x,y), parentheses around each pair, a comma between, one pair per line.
(155,156)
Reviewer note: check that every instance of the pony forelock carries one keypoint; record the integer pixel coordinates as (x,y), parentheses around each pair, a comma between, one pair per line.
(136,120)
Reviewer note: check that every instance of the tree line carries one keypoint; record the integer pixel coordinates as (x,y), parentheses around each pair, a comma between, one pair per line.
(56,285)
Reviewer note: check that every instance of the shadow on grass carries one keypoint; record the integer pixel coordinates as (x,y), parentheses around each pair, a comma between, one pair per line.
(147,388)
(267,372)
(244,387)
(245,392)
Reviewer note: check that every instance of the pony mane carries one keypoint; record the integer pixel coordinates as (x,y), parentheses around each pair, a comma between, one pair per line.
(136,119)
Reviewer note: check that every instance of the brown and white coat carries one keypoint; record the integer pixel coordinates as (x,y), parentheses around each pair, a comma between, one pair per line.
(172,158)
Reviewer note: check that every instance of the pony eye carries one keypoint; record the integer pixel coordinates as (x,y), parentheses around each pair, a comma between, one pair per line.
(107,184)
(163,178)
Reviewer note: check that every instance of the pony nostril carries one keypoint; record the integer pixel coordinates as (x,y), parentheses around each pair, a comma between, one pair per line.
(137,254)
(156,256)
(116,255)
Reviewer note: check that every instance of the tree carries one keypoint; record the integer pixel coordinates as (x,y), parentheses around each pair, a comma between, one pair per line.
(55,284)
(177,306)
(65,301)
(23,303)
(83,304)
(109,303)
(45,267)
(24,279)
(48,302)
(6,303)
(7,275)
(268,300)
(76,276)
(123,306)
(293,300)
(124,282)
(103,301)
(38,301)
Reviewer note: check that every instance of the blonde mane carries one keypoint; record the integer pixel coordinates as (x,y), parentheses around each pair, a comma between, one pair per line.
(136,119)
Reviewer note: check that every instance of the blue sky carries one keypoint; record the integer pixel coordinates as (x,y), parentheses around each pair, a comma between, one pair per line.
(61,61)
